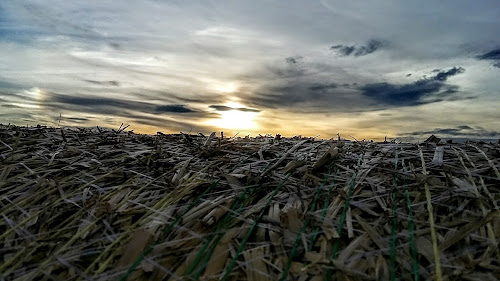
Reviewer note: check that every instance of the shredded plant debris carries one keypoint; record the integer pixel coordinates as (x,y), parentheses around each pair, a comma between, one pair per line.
(102,204)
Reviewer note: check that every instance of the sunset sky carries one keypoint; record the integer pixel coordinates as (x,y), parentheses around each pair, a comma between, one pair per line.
(360,68)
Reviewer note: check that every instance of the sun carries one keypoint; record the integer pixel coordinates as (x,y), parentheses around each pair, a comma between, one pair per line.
(235,118)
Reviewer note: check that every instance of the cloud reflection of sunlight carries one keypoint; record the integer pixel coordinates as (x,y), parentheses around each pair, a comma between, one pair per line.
(29,98)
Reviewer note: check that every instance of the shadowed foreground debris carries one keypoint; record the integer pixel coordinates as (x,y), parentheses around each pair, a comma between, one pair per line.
(100,204)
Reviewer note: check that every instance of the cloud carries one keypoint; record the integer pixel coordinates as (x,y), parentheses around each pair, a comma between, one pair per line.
(293,60)
(103,83)
(276,57)
(317,89)
(444,75)
(323,87)
(370,47)
(311,87)
(6,86)
(117,106)
(80,120)
(413,93)
(174,108)
(9,105)
(492,55)
(169,97)
(227,108)
(459,131)
(96,102)
(161,123)
(292,71)
(343,50)
(302,95)
(108,109)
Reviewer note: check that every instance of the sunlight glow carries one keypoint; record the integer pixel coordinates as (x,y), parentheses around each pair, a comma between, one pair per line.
(226,88)
(234,118)
(35,92)
(31,98)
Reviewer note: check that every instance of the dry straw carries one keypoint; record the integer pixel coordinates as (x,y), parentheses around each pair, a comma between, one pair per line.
(100,204)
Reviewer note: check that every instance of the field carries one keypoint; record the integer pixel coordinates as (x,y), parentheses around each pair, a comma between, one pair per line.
(102,204)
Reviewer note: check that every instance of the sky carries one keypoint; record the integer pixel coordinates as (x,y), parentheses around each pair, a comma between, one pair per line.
(363,69)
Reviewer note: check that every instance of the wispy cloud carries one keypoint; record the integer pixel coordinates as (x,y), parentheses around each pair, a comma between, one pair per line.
(119,107)
(228,108)
(323,87)
(103,83)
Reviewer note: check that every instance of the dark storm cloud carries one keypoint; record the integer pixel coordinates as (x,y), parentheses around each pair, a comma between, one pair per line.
(358,51)
(117,106)
(302,95)
(96,102)
(133,112)
(174,108)
(400,95)
(227,108)
(443,75)
(313,91)
(493,55)
(413,93)
(463,131)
